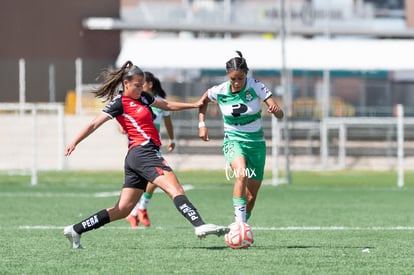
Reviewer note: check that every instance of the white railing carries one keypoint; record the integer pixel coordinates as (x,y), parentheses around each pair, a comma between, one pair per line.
(33,137)
(30,133)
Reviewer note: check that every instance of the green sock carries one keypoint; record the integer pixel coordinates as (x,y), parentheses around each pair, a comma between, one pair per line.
(239,201)
(147,195)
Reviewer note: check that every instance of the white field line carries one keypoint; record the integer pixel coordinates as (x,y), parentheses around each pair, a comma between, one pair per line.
(186,187)
(259,228)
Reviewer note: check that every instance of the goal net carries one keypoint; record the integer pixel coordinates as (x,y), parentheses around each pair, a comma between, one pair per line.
(31,138)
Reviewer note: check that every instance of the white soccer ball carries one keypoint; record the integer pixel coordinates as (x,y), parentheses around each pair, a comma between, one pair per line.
(239,236)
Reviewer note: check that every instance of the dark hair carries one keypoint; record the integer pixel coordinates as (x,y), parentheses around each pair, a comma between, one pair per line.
(111,80)
(237,63)
(156,84)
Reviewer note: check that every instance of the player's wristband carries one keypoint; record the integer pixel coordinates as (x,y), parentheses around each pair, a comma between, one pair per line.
(201,124)
(172,140)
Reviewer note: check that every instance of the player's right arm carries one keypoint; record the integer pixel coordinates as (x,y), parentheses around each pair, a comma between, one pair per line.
(86,131)
(202,128)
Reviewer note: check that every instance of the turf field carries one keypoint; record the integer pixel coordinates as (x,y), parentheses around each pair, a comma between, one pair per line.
(323,223)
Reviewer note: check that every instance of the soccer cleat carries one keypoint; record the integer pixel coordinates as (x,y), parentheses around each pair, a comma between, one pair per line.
(73,237)
(133,221)
(143,217)
(210,229)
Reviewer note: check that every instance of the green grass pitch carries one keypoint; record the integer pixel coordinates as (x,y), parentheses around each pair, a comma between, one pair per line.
(323,223)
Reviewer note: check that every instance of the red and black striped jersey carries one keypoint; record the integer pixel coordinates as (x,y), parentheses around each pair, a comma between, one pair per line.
(136,118)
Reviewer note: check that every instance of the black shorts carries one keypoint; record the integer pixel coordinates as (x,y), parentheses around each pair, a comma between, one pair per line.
(144,164)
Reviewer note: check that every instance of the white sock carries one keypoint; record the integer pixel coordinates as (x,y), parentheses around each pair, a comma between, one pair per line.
(134,211)
(240,212)
(144,201)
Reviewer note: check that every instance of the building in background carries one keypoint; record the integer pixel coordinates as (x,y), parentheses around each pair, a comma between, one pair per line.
(48,34)
(201,35)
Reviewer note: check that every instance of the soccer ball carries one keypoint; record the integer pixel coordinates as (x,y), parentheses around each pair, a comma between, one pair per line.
(239,236)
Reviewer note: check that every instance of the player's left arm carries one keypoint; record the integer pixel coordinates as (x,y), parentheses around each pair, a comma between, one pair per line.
(174,105)
(170,131)
(273,108)
(265,94)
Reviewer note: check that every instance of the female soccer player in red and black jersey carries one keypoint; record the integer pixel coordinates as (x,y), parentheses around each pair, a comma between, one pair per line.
(152,85)
(143,162)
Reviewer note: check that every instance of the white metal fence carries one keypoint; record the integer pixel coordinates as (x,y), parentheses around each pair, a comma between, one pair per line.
(33,137)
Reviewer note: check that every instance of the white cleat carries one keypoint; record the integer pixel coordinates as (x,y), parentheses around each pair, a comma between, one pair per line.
(211,229)
(73,237)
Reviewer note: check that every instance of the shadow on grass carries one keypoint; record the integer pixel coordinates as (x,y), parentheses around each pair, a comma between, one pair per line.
(198,247)
(267,247)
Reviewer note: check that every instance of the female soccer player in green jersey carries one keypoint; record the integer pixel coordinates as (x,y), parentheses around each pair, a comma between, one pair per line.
(244,146)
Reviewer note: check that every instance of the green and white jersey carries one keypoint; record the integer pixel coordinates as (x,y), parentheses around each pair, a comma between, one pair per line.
(241,111)
(159,114)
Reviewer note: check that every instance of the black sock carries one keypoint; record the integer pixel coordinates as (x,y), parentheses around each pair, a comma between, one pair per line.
(93,222)
(188,210)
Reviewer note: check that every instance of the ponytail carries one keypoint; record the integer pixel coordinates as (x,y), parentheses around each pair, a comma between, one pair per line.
(112,79)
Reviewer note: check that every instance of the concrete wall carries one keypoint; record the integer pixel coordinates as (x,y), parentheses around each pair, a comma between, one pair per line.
(106,148)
